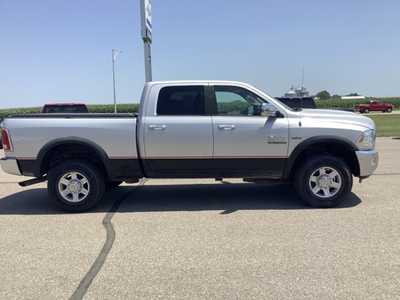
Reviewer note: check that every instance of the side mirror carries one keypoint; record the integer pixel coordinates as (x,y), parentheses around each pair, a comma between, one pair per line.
(268,110)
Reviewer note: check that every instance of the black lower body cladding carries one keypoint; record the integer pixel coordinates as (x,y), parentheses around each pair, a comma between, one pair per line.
(28,167)
(124,169)
(215,167)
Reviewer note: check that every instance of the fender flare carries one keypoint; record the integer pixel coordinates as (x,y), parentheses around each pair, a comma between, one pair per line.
(69,140)
(306,144)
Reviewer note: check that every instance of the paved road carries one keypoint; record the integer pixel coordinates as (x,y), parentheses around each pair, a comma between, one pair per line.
(199,239)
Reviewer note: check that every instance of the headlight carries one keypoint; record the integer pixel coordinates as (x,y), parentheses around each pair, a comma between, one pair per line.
(367,140)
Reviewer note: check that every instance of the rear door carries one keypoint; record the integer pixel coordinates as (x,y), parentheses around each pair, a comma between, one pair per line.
(178,134)
(246,143)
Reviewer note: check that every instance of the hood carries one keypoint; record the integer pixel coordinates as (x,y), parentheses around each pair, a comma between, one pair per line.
(338,116)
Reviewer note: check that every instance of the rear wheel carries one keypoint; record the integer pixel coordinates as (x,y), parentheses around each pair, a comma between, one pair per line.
(323,181)
(75,185)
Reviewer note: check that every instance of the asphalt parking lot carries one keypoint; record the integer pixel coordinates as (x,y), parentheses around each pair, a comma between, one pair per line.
(190,239)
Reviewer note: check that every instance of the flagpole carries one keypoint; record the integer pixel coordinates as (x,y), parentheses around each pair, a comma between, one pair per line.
(146,20)
(113,74)
(114,54)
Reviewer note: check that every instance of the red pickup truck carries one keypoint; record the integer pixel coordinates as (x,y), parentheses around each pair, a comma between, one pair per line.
(374,106)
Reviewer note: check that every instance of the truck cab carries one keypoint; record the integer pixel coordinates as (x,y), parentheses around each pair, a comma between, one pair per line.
(211,130)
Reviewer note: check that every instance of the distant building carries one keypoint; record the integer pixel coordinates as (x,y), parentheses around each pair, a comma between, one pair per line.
(297,93)
(353,97)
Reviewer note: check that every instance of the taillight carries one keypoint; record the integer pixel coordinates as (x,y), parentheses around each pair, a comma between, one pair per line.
(6,140)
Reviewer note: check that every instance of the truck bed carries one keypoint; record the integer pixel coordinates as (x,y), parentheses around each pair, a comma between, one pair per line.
(114,135)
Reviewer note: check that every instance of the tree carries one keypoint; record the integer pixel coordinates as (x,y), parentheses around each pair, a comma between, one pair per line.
(323,95)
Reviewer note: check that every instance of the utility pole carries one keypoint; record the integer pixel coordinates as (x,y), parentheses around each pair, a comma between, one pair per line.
(145,13)
(114,54)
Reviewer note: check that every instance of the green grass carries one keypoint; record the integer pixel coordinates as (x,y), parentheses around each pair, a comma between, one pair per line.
(387,125)
(12,111)
(339,103)
(107,108)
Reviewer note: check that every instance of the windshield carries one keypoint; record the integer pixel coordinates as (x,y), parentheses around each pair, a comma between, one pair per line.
(267,97)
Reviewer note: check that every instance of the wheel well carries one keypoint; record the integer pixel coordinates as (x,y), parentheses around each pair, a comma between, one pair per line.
(338,149)
(65,151)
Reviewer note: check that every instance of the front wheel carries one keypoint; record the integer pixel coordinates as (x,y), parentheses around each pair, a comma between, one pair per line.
(389,110)
(75,185)
(323,181)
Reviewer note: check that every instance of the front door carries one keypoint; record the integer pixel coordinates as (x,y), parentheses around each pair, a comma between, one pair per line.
(178,137)
(246,143)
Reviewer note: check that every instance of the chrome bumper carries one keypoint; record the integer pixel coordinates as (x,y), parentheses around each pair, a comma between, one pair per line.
(10,166)
(368,162)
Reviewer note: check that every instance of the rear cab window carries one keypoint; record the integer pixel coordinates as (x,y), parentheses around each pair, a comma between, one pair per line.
(181,101)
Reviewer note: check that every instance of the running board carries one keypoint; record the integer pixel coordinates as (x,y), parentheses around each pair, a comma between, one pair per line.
(32,181)
(264,180)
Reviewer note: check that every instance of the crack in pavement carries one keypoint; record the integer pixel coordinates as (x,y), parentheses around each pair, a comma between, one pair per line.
(102,256)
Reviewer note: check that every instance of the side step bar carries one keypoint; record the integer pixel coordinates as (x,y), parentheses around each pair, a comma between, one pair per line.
(32,181)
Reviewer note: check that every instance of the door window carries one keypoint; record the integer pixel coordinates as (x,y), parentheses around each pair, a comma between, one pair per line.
(181,101)
(236,101)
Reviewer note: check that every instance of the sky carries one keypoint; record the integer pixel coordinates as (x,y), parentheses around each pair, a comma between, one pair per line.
(60,50)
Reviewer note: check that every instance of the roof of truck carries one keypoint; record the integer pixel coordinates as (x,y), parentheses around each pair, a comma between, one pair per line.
(194,81)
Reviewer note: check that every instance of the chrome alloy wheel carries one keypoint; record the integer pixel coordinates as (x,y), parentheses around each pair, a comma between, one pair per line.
(325,182)
(73,187)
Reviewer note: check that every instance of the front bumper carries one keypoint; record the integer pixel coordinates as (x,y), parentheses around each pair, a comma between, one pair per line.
(10,166)
(368,162)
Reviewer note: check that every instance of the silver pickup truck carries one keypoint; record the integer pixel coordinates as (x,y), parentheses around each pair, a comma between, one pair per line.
(192,129)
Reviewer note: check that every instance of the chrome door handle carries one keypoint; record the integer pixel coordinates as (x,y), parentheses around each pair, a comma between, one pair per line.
(157,127)
(226,127)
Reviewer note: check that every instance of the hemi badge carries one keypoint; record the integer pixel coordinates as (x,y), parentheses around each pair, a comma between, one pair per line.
(272,139)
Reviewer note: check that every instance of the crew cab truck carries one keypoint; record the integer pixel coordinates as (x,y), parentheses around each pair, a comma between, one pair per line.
(374,106)
(192,129)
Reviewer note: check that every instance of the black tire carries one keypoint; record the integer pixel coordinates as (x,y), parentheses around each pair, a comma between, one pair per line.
(366,111)
(389,110)
(110,185)
(303,185)
(95,185)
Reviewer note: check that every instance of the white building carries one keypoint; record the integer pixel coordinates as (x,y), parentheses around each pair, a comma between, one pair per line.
(353,97)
